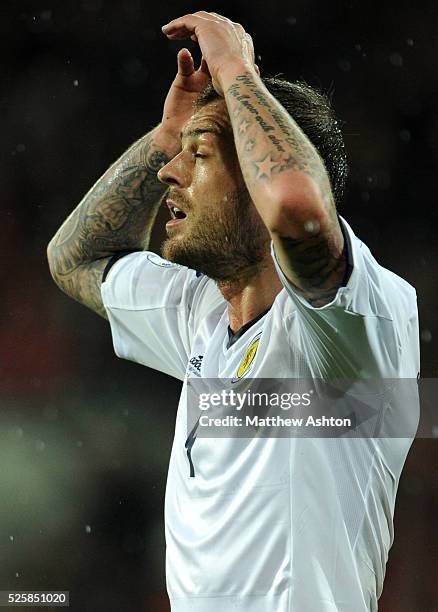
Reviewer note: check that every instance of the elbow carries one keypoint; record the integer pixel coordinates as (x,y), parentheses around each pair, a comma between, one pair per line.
(300,211)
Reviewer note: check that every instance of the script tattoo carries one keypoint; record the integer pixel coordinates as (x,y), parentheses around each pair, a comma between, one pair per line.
(285,146)
(269,142)
(116,214)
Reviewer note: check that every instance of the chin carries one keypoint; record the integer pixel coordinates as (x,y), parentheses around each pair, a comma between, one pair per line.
(173,250)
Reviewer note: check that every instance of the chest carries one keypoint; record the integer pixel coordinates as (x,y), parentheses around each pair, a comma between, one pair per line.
(265,350)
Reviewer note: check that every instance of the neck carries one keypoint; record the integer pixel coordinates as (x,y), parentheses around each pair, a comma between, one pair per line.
(249,298)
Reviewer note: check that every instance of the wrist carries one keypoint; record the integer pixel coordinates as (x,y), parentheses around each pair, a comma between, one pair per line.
(167,140)
(230,71)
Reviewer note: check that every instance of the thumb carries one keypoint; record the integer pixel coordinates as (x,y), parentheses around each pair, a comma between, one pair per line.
(186,65)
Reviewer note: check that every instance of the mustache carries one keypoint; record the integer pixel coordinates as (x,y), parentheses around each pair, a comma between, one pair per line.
(178,199)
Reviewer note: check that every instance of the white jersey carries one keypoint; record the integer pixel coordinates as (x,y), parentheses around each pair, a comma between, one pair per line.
(272,525)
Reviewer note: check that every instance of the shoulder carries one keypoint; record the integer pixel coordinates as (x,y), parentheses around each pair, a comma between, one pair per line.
(145,281)
(381,292)
(373,290)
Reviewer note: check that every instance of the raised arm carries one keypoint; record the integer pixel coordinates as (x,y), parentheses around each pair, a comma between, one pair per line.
(118,213)
(289,186)
(284,173)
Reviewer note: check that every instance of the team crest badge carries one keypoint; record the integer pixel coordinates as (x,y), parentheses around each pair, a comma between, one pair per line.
(248,361)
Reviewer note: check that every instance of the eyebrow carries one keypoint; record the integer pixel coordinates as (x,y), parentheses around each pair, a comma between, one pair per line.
(194,132)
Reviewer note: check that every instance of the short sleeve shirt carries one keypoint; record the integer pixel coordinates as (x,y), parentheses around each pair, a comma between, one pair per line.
(272,524)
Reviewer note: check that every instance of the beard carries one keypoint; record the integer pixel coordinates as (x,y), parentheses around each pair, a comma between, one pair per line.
(226,240)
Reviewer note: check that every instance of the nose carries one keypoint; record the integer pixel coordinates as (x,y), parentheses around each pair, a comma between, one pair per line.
(175,172)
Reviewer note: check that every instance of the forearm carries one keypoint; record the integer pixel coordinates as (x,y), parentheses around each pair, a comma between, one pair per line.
(119,210)
(282,169)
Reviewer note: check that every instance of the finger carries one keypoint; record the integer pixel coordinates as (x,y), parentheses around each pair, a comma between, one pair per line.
(177,29)
(257,69)
(183,27)
(186,65)
(178,33)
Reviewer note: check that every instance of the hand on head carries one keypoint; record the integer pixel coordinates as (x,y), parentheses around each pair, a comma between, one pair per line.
(223,43)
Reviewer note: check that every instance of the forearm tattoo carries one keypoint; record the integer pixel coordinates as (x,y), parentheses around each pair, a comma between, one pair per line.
(267,138)
(116,214)
(268,143)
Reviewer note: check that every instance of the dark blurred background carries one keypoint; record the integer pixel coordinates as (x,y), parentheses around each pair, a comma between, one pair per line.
(84,437)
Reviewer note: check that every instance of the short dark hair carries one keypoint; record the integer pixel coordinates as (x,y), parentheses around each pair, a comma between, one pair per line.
(314,114)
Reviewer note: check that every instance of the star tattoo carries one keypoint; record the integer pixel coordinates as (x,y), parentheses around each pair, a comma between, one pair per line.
(264,167)
(249,145)
(243,126)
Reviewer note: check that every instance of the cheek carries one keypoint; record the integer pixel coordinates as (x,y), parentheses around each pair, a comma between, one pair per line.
(214,178)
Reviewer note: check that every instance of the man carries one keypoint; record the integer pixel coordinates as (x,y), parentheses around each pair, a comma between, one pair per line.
(260,278)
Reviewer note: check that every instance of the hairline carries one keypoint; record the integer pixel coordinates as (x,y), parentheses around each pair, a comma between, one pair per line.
(213,126)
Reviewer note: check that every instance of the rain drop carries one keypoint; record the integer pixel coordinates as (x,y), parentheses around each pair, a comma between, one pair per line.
(311,226)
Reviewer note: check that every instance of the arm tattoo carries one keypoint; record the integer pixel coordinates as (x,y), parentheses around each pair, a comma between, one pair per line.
(84,285)
(268,140)
(116,214)
(320,273)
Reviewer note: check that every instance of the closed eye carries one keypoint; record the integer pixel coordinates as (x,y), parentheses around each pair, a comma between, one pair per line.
(199,155)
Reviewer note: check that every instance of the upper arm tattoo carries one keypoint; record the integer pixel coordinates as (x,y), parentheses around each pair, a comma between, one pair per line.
(315,265)
(84,285)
